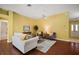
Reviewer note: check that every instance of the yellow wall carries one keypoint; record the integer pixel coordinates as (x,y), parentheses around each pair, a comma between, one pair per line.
(16,22)
(20,21)
(75,21)
(2,11)
(58,23)
(10,26)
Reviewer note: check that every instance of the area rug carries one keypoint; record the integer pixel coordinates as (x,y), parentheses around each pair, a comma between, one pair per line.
(45,46)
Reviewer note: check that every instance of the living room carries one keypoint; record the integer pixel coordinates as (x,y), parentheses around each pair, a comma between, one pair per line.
(24,17)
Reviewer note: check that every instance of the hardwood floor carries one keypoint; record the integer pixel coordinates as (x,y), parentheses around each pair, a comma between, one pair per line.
(59,48)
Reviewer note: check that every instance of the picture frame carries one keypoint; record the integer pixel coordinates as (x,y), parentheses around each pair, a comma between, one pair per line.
(26,28)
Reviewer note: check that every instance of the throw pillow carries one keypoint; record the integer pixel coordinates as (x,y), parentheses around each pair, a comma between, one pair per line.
(23,36)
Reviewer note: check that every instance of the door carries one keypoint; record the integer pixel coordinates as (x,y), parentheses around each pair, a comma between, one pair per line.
(3,30)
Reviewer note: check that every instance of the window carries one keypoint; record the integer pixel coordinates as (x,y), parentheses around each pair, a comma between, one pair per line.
(74,27)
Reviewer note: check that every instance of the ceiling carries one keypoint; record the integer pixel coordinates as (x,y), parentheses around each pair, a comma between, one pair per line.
(42,10)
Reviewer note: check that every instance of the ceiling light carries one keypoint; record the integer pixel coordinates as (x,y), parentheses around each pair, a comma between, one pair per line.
(29,5)
(44,16)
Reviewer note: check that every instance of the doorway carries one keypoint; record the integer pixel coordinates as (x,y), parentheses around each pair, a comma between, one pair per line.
(3,29)
(74,29)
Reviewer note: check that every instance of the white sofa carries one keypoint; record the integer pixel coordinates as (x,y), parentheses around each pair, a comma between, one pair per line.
(24,45)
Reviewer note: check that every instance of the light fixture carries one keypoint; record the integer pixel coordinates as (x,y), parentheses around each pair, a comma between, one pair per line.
(29,5)
(44,16)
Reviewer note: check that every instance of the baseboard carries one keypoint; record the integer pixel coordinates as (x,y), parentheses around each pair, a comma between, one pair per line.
(59,39)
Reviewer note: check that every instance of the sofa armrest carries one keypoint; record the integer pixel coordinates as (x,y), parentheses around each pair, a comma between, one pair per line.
(17,40)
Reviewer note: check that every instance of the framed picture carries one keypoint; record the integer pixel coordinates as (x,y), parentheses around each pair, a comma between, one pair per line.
(26,28)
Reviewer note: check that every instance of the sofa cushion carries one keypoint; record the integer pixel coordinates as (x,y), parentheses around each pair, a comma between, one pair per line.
(27,37)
